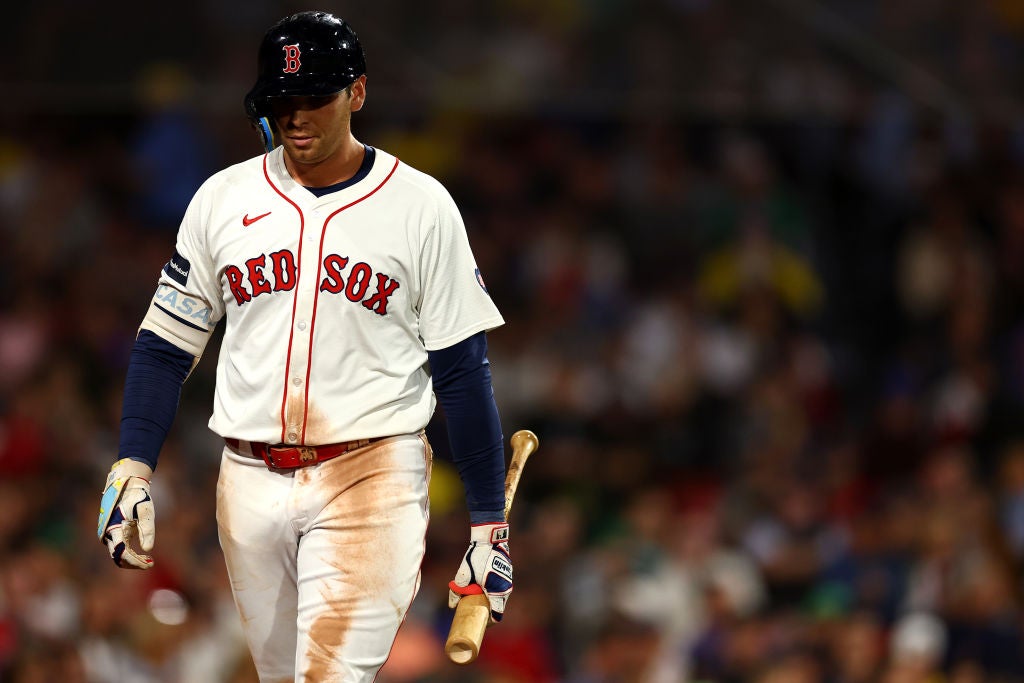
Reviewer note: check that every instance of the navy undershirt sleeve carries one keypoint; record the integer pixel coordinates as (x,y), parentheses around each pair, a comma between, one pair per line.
(462,383)
(156,372)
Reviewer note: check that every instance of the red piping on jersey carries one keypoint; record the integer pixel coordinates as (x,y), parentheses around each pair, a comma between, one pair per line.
(316,294)
(295,301)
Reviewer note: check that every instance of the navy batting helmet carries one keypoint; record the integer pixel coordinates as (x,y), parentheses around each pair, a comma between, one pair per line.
(309,53)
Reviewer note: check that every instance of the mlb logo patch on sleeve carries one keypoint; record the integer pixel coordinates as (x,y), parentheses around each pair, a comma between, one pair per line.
(177,268)
(480,279)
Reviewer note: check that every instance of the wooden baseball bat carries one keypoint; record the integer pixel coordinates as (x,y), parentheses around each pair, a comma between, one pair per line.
(473,613)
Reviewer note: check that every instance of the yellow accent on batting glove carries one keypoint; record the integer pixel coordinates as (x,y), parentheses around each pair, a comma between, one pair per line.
(127,520)
(486,568)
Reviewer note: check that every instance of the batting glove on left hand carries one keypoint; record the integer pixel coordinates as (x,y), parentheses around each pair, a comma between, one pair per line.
(486,568)
(127,521)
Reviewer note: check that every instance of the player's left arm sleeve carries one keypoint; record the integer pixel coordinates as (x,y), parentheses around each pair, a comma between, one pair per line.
(462,382)
(453,302)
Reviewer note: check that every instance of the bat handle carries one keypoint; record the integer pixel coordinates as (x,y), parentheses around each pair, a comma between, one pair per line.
(524,442)
(472,615)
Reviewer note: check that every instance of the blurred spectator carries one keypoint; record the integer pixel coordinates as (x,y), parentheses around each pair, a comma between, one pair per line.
(171,155)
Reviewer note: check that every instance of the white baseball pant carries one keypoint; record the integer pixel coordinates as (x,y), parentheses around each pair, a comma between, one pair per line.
(324,560)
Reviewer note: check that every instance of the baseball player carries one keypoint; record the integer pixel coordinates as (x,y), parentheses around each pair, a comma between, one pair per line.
(351,299)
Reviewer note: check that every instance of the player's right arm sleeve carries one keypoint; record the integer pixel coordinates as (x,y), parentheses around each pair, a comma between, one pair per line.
(156,371)
(173,335)
(188,301)
(178,317)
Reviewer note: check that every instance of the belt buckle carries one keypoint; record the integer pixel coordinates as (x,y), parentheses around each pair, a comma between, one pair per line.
(307,454)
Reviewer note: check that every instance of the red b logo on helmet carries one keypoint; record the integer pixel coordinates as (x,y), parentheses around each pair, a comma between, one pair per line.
(291,58)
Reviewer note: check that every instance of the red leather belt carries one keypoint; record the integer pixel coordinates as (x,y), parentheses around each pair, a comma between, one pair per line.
(281,457)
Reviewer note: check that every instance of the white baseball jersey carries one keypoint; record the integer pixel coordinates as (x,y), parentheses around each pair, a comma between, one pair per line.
(330,303)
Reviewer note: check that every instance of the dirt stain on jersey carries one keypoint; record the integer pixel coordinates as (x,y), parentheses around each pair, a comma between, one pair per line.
(372,487)
(318,426)
(294,412)
(317,423)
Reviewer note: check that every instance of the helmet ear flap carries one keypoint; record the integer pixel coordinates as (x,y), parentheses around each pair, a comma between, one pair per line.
(260,121)
(266,130)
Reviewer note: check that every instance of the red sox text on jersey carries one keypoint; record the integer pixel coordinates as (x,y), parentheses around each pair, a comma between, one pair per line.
(277,272)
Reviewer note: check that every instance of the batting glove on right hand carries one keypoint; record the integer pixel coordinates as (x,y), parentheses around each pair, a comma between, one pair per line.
(486,568)
(127,521)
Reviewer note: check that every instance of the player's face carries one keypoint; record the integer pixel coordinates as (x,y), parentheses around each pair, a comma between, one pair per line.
(314,129)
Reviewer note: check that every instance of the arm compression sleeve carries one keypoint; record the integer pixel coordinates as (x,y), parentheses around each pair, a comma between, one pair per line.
(462,382)
(156,371)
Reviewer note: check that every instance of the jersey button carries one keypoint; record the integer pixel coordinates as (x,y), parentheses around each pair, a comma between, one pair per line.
(293,437)
(301,325)
(296,381)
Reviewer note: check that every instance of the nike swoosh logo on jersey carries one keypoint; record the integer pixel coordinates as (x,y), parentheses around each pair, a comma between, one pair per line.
(246,221)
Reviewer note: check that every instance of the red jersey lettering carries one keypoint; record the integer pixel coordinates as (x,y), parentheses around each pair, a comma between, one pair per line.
(333,265)
(378,303)
(235,277)
(283,265)
(256,279)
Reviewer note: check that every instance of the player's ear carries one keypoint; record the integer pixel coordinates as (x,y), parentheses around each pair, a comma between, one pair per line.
(357,93)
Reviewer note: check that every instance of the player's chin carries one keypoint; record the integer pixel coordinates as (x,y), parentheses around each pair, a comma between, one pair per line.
(301,147)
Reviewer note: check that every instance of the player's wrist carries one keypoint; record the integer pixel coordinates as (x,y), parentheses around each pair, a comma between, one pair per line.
(495,516)
(494,532)
(126,468)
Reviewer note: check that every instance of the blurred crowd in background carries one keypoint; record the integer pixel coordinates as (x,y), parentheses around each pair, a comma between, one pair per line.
(762,265)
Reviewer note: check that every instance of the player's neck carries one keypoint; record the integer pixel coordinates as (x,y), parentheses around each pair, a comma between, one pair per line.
(338,167)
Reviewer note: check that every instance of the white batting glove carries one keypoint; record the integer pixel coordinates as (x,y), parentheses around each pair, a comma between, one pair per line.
(486,568)
(127,521)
